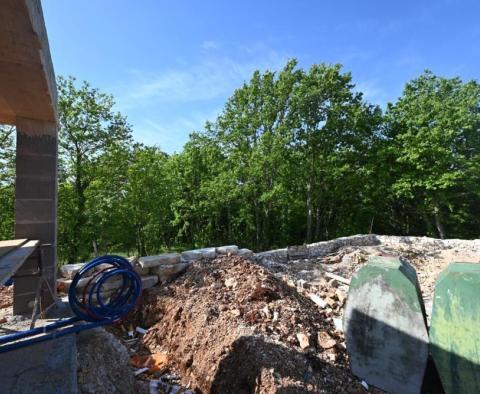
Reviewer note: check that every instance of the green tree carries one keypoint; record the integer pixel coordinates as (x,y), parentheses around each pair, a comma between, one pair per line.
(88,129)
(7,181)
(433,132)
(335,133)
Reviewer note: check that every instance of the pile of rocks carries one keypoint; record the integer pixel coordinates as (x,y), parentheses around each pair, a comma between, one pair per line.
(153,270)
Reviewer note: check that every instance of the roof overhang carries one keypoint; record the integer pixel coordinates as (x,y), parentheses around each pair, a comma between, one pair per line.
(27,79)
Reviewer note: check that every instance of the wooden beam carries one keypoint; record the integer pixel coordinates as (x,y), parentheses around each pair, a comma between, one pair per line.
(7,246)
(11,262)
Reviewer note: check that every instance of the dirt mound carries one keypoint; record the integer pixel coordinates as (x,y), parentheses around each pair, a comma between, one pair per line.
(6,296)
(231,326)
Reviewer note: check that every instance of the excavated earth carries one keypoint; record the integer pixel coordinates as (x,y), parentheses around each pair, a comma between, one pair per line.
(231,326)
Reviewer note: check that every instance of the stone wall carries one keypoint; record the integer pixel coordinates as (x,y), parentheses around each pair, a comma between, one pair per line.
(314,250)
(153,270)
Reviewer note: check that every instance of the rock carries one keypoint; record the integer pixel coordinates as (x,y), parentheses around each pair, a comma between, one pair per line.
(245,253)
(385,326)
(191,255)
(455,327)
(162,259)
(303,340)
(325,341)
(338,323)
(63,285)
(103,364)
(208,253)
(230,249)
(132,260)
(69,270)
(149,281)
(297,252)
(141,271)
(166,273)
(231,282)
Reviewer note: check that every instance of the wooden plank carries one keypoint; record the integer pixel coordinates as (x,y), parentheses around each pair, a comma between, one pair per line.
(11,262)
(338,278)
(7,246)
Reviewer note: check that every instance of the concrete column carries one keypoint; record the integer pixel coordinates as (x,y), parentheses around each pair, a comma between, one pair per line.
(36,206)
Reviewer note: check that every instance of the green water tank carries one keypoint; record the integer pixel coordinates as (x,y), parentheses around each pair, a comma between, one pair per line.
(455,328)
(385,326)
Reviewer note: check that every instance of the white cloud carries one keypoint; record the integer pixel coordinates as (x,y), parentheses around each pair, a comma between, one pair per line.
(211,78)
(210,45)
(172,134)
(372,92)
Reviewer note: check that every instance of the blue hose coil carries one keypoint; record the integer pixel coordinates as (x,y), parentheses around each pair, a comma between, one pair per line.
(91,307)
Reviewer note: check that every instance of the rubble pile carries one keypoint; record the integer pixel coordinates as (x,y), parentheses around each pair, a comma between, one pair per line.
(225,320)
(230,326)
(153,270)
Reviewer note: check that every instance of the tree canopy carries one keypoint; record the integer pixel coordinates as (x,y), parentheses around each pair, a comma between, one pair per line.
(295,156)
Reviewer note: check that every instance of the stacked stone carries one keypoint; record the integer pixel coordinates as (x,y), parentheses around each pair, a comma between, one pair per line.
(318,249)
(152,269)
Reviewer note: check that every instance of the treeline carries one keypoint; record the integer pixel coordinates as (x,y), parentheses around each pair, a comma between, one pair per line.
(295,156)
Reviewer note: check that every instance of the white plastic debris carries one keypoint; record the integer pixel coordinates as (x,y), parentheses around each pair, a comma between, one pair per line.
(338,324)
(141,330)
(365,385)
(140,371)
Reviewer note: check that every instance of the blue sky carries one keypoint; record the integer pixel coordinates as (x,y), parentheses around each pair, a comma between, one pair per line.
(171,65)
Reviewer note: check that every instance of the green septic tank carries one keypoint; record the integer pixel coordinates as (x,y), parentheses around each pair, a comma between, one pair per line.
(385,326)
(455,328)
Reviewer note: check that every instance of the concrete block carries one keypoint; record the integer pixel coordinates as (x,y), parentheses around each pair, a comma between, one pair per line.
(297,252)
(245,253)
(385,326)
(162,259)
(169,272)
(70,270)
(43,368)
(229,249)
(141,271)
(208,253)
(455,328)
(191,255)
(63,284)
(149,281)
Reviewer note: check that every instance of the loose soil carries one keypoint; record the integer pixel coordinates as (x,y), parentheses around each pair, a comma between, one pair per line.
(231,326)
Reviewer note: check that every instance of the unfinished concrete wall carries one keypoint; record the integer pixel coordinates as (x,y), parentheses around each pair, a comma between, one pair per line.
(36,206)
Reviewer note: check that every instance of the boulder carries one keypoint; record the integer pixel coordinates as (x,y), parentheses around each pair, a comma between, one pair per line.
(166,273)
(69,270)
(385,326)
(191,255)
(455,328)
(230,249)
(161,259)
(245,253)
(103,364)
(297,252)
(149,281)
(208,253)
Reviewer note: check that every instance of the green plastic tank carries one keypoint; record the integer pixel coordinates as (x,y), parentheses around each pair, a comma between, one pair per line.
(455,328)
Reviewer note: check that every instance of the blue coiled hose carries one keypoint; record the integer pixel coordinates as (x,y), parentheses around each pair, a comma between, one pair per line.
(96,306)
